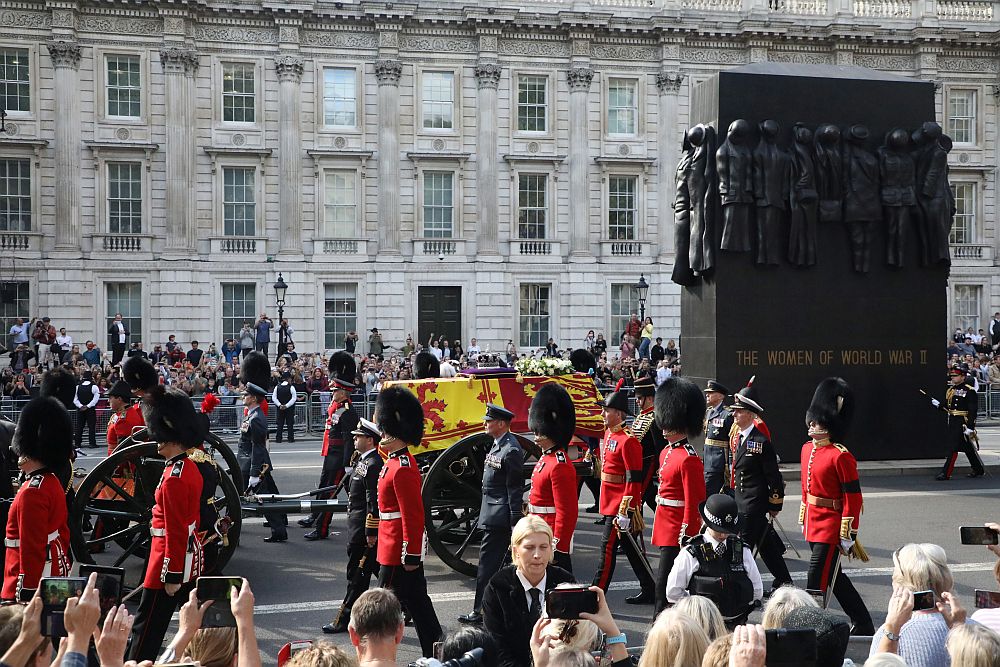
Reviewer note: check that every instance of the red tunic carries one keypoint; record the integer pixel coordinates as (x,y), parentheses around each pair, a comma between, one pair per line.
(122,424)
(553,496)
(682,488)
(175,554)
(37,536)
(401,511)
(621,470)
(830,473)
(331,420)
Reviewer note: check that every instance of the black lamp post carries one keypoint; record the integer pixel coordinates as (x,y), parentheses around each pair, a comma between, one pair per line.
(641,289)
(279,292)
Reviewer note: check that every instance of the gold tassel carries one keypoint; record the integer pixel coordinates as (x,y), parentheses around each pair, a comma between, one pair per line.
(638,523)
(858,551)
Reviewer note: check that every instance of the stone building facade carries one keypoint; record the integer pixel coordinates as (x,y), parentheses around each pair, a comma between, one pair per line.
(497,169)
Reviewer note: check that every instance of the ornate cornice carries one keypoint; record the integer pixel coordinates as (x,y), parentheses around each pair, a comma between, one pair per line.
(488,74)
(580,78)
(64,54)
(289,67)
(177,60)
(669,82)
(388,72)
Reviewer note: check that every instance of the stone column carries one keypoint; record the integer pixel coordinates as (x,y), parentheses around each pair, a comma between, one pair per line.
(580,79)
(668,138)
(66,59)
(387,72)
(487,78)
(179,65)
(290,68)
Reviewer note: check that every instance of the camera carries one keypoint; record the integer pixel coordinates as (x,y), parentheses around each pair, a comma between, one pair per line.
(472,658)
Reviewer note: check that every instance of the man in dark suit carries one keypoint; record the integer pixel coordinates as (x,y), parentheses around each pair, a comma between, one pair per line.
(759,488)
(503,489)
(119,339)
(995,330)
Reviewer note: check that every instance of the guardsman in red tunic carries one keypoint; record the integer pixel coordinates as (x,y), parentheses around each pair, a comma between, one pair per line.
(621,475)
(401,511)
(680,413)
(124,418)
(141,377)
(175,554)
(831,500)
(37,535)
(553,496)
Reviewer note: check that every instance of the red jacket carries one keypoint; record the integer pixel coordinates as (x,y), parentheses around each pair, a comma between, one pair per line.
(830,476)
(122,424)
(331,420)
(175,554)
(401,511)
(553,496)
(37,536)
(621,470)
(682,486)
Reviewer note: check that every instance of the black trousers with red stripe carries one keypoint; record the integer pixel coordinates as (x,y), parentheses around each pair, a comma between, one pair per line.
(609,557)
(333,472)
(822,564)
(411,589)
(959,443)
(152,619)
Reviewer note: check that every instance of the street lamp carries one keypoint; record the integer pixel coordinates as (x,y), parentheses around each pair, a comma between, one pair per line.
(279,292)
(641,289)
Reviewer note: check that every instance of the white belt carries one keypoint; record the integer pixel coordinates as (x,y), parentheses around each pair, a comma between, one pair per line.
(669,502)
(14,544)
(390,515)
(538,509)
(162,532)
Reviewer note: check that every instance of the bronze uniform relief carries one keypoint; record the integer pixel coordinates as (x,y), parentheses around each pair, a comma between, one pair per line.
(896,172)
(804,202)
(771,168)
(862,208)
(734,162)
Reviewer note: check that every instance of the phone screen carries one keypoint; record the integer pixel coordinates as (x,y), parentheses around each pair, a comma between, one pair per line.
(219,589)
(109,585)
(923,600)
(569,603)
(987,599)
(979,535)
(55,591)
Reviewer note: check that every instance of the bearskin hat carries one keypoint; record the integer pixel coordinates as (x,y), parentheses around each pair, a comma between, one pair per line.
(679,406)
(343,366)
(582,361)
(426,365)
(552,414)
(60,384)
(140,374)
(398,414)
(44,432)
(256,369)
(170,417)
(832,406)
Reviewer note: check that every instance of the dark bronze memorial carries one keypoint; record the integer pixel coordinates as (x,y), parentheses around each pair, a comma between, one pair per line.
(822,250)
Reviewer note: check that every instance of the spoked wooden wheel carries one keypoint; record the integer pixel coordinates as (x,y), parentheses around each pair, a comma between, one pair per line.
(215,446)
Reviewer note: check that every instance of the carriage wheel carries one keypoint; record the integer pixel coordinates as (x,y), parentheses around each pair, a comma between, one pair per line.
(215,446)
(117,496)
(452,494)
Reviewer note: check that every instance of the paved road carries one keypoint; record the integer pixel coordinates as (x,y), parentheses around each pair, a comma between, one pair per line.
(299,584)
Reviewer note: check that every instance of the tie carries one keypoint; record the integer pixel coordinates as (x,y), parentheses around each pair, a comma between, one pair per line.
(720,548)
(535,610)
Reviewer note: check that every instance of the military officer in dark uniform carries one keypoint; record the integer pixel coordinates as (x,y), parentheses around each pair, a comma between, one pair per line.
(961,405)
(338,450)
(759,487)
(362,521)
(645,431)
(255,461)
(718,425)
(503,489)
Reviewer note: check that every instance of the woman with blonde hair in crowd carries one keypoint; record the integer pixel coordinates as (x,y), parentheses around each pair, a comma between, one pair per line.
(781,603)
(973,645)
(717,653)
(322,654)
(675,640)
(705,612)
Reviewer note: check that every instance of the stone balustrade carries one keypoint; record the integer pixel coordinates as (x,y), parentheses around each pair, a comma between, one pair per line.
(960,11)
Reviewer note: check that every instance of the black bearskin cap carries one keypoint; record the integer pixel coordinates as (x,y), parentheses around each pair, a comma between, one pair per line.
(140,374)
(170,417)
(44,433)
(582,361)
(426,365)
(398,414)
(552,414)
(343,366)
(256,369)
(832,406)
(60,384)
(679,406)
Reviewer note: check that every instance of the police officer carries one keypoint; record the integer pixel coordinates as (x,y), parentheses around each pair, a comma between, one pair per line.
(552,418)
(85,400)
(255,460)
(961,404)
(503,489)
(401,547)
(718,425)
(284,397)
(717,564)
(830,514)
(362,521)
(680,410)
(645,431)
(338,450)
(759,487)
(621,475)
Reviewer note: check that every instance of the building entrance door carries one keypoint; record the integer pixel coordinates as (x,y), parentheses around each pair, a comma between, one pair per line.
(439,312)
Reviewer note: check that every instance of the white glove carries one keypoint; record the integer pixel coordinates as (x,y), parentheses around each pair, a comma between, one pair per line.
(968,431)
(254,481)
(624,523)
(936,403)
(846,545)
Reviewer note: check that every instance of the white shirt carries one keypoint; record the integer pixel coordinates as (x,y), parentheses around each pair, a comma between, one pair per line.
(121,330)
(93,401)
(436,351)
(745,432)
(473,351)
(662,374)
(527,587)
(291,401)
(686,565)
(65,342)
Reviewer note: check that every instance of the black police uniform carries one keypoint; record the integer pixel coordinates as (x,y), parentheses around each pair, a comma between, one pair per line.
(286,416)
(718,426)
(253,456)
(722,577)
(961,403)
